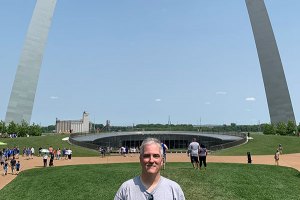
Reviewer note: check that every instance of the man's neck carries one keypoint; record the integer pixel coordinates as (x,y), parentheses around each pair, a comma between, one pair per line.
(150,181)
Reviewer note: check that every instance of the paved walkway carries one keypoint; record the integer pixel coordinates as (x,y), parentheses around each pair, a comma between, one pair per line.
(289,160)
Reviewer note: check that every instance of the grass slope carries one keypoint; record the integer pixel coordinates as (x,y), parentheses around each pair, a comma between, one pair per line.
(264,145)
(219,181)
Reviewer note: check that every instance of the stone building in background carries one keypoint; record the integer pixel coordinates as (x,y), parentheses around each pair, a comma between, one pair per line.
(73,126)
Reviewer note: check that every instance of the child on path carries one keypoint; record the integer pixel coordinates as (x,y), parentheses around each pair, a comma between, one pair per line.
(18,166)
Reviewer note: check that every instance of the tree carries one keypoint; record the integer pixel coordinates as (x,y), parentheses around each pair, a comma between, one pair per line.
(291,128)
(23,129)
(233,126)
(2,127)
(12,128)
(269,129)
(281,128)
(35,130)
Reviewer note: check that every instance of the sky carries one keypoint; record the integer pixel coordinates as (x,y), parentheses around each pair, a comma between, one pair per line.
(150,61)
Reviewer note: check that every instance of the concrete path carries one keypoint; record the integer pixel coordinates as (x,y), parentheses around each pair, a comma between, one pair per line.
(288,160)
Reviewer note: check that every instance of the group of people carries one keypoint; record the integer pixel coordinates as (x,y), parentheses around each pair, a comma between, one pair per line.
(278,152)
(8,158)
(54,154)
(197,153)
(8,153)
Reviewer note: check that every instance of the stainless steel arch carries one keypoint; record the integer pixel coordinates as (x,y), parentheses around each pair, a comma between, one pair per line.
(278,97)
(24,88)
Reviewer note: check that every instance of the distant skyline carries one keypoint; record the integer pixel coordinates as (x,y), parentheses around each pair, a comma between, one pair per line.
(134,62)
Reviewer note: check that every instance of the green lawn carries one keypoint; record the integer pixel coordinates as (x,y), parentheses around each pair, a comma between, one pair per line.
(219,181)
(45,141)
(264,145)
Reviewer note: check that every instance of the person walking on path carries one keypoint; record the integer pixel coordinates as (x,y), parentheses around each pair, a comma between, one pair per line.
(202,155)
(164,153)
(32,152)
(13,165)
(193,152)
(5,168)
(45,158)
(58,152)
(150,185)
(280,148)
(18,167)
(276,157)
(249,157)
(51,159)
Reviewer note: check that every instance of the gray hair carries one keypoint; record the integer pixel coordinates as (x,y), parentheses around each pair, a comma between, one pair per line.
(148,141)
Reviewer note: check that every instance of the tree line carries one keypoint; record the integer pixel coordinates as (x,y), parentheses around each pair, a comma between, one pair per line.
(289,128)
(20,130)
(281,128)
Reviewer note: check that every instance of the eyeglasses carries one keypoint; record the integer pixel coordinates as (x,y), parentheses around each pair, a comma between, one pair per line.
(150,197)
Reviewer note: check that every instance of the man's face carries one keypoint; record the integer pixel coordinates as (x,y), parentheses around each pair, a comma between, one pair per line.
(151,160)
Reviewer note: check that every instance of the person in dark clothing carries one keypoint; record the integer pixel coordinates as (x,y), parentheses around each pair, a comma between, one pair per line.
(249,158)
(13,164)
(202,155)
(51,159)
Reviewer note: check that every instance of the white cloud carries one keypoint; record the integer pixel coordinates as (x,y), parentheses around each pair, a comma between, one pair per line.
(157,100)
(53,97)
(250,99)
(221,93)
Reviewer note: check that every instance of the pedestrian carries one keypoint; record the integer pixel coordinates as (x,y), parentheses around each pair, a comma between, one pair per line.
(50,149)
(40,151)
(202,156)
(280,148)
(51,159)
(249,157)
(31,152)
(45,159)
(150,184)
(13,165)
(103,152)
(5,168)
(164,153)
(67,154)
(70,154)
(18,167)
(276,157)
(2,160)
(123,151)
(193,152)
(58,152)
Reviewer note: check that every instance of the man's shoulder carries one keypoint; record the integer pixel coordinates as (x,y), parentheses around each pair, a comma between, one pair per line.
(130,182)
(169,182)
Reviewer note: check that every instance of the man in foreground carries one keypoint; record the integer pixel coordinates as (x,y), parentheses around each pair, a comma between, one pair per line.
(150,185)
